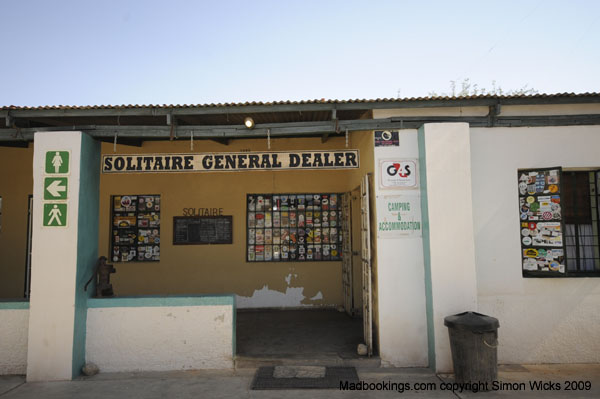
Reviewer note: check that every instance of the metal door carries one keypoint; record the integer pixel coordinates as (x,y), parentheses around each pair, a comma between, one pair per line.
(346,210)
(365,233)
(28,254)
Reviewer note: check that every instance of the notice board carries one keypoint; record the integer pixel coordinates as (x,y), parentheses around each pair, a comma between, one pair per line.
(198,230)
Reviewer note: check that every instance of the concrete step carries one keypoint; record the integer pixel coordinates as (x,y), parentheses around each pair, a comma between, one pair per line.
(255,361)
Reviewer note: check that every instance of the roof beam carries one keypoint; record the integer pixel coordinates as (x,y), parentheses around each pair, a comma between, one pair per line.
(122,141)
(325,136)
(298,129)
(17,144)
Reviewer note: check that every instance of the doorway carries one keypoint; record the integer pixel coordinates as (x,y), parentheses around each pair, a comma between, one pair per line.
(297,333)
(332,336)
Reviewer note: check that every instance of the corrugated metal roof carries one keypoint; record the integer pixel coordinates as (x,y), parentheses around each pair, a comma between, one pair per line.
(301,102)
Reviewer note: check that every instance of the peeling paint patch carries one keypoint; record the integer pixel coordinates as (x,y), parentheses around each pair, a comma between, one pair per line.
(265,298)
(317,297)
(288,279)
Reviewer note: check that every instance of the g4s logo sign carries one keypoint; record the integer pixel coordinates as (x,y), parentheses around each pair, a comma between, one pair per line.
(394,169)
(398,173)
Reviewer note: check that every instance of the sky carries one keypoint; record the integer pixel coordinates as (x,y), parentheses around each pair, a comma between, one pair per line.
(202,52)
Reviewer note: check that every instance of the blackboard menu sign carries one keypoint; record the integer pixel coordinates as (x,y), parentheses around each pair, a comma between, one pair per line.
(198,230)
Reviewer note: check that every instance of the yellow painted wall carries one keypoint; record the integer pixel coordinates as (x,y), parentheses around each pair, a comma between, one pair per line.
(16,184)
(222,268)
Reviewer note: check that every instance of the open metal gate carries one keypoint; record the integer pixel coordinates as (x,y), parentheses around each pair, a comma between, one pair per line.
(365,235)
(347,253)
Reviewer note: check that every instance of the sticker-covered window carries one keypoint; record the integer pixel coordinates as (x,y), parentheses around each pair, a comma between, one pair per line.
(293,227)
(135,228)
(559,222)
(542,243)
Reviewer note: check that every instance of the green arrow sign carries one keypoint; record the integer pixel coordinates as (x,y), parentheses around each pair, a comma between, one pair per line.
(57,162)
(55,215)
(55,188)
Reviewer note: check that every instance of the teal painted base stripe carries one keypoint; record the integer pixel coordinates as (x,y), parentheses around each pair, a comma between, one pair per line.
(87,242)
(13,304)
(426,249)
(233,337)
(157,301)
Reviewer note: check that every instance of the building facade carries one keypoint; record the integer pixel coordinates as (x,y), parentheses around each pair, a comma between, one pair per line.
(399,212)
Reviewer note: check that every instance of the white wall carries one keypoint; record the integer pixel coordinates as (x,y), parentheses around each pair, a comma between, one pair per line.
(291,298)
(14,324)
(400,276)
(430,111)
(446,147)
(547,109)
(160,338)
(541,320)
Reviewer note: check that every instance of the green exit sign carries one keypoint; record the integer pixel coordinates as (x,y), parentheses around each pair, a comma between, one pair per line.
(55,215)
(55,188)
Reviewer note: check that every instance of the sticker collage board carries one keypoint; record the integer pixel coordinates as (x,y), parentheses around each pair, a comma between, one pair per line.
(135,233)
(541,230)
(293,227)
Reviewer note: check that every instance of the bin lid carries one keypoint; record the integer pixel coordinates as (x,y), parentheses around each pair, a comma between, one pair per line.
(472,321)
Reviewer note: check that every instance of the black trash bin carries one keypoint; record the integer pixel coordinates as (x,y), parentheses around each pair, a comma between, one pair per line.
(474,346)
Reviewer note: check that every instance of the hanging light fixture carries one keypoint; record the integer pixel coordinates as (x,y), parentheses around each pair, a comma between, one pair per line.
(249,122)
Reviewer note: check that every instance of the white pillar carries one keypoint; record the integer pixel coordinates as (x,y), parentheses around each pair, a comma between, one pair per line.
(62,253)
(400,292)
(451,284)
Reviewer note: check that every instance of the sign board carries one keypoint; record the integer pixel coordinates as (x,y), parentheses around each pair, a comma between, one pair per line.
(398,173)
(135,228)
(386,138)
(399,215)
(55,214)
(230,161)
(202,230)
(293,227)
(57,162)
(541,228)
(55,188)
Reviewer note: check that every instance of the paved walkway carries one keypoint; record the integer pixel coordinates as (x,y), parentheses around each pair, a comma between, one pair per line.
(236,384)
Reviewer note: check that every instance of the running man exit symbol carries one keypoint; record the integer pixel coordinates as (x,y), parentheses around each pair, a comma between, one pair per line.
(55,215)
(55,188)
(57,162)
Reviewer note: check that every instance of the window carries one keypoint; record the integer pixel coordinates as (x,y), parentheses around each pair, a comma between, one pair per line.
(559,223)
(580,201)
(293,227)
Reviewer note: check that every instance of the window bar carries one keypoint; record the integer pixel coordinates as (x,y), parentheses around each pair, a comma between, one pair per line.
(597,238)
(590,241)
(576,224)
